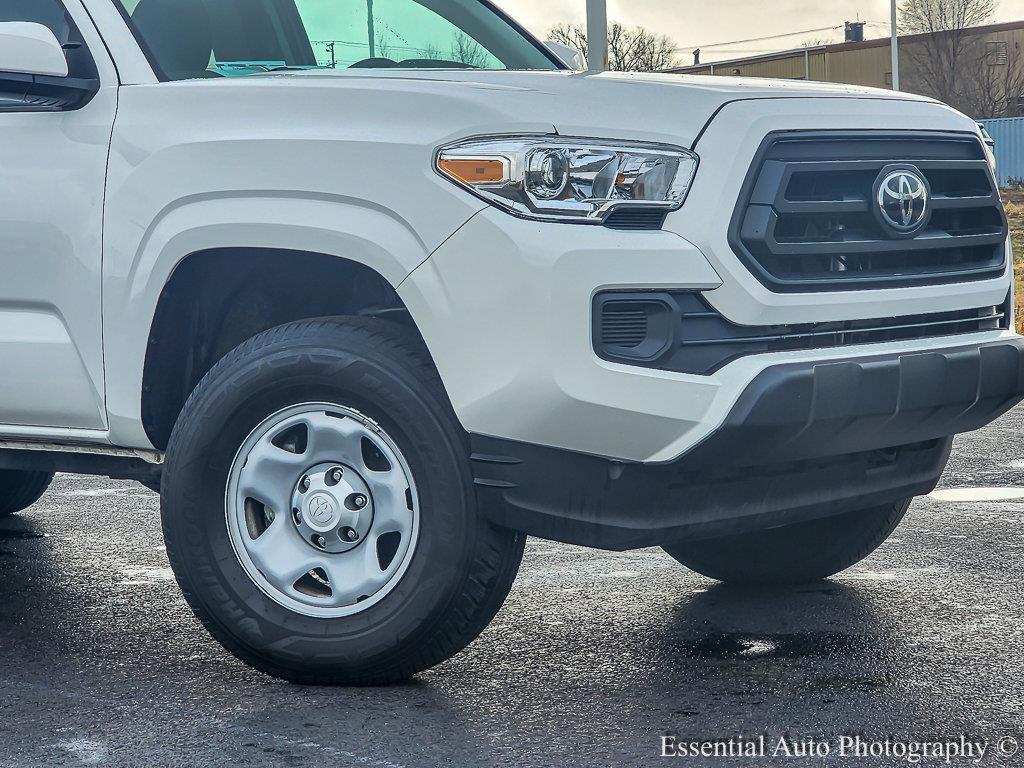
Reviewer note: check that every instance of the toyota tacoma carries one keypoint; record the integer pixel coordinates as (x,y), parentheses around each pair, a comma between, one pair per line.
(371,292)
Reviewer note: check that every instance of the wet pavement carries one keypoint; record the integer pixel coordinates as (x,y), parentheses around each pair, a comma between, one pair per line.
(594,659)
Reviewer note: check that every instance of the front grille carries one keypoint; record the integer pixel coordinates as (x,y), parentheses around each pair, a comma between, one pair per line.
(685,335)
(807,218)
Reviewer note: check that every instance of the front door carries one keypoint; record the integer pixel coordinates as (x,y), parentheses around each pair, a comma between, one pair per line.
(54,141)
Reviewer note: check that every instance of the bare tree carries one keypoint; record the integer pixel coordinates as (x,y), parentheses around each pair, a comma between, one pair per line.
(922,16)
(630,49)
(432,52)
(945,52)
(468,51)
(572,35)
(994,83)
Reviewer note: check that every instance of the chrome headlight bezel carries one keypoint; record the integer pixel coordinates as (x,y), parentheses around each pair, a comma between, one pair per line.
(588,197)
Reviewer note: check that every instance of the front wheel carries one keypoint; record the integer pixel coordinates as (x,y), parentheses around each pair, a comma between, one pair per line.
(793,554)
(319,510)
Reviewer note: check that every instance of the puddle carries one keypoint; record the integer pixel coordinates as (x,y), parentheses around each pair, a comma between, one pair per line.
(795,646)
(978,495)
(848,682)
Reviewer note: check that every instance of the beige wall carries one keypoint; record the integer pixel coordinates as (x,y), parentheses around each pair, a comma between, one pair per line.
(858,67)
(864,66)
(788,67)
(869,66)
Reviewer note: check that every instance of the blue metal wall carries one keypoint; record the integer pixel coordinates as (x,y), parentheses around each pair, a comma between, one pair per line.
(1008,135)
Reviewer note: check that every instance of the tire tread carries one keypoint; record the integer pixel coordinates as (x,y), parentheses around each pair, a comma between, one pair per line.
(20,489)
(796,554)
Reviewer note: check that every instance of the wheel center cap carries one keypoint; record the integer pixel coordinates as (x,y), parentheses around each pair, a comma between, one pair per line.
(332,508)
(322,511)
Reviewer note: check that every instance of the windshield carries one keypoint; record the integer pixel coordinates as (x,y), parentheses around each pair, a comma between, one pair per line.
(229,38)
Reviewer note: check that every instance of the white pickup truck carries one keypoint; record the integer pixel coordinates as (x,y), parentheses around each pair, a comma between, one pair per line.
(369,296)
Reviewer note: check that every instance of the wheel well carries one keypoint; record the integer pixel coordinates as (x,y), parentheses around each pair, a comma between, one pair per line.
(217,299)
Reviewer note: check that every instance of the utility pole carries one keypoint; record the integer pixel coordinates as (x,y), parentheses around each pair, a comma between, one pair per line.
(370,30)
(597,35)
(895,50)
(334,57)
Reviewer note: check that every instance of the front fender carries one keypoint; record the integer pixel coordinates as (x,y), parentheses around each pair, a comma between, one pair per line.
(135,276)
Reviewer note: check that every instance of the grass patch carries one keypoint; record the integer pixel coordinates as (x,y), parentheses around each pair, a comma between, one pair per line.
(1014,202)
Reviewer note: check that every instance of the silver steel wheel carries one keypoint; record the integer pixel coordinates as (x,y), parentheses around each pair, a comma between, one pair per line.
(322,510)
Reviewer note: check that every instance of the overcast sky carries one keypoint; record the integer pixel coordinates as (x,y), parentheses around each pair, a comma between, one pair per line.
(693,23)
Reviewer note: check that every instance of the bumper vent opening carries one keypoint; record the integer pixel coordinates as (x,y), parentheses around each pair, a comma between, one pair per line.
(632,326)
(623,326)
(636,219)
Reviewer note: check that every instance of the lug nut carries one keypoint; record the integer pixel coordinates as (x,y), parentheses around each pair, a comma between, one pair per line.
(321,541)
(304,484)
(336,475)
(349,534)
(359,501)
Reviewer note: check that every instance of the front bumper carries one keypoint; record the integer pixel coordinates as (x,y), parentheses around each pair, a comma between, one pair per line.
(804,440)
(505,307)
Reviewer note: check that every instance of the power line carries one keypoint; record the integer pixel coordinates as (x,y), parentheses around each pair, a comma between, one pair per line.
(768,37)
(760,39)
(755,51)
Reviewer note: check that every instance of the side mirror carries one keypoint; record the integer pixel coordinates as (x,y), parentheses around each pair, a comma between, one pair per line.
(31,49)
(569,56)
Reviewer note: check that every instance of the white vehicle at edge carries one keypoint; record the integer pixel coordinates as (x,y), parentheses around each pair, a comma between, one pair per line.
(368,315)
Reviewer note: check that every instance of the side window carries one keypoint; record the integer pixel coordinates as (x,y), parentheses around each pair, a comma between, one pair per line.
(233,38)
(403,31)
(19,91)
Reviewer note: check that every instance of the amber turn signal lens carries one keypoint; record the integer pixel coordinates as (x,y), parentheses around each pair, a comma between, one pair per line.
(474,171)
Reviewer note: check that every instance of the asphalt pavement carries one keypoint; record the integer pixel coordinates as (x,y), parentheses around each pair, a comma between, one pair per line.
(595,658)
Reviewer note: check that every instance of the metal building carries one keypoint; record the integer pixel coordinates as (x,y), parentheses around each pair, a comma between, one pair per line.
(1008,137)
(866,62)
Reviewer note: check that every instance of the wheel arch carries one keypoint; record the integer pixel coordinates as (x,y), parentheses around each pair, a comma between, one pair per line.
(217,298)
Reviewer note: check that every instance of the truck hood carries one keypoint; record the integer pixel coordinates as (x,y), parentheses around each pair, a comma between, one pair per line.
(654,107)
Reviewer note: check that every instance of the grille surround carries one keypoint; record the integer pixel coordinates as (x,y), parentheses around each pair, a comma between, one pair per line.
(805,219)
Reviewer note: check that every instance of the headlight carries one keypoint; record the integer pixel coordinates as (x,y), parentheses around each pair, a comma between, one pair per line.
(575,180)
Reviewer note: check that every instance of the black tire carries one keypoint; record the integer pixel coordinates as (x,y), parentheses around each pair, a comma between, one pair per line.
(20,489)
(795,554)
(461,571)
